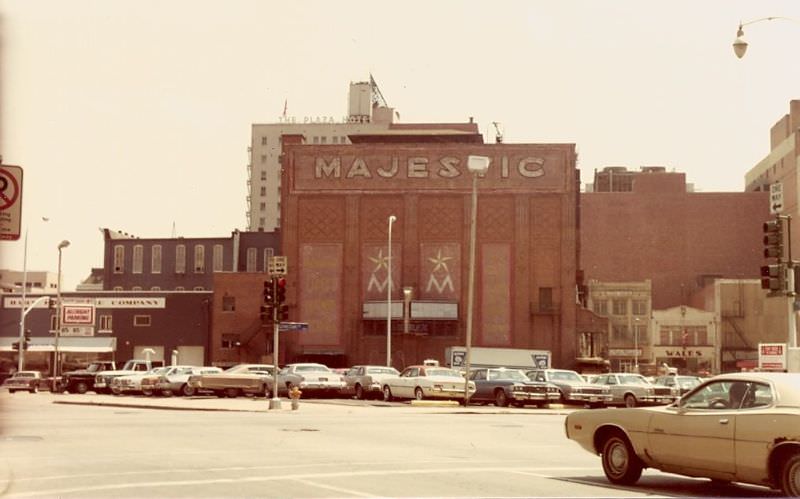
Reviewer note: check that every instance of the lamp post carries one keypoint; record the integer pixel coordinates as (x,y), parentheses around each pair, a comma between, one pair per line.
(740,46)
(63,244)
(477,165)
(392,219)
(636,345)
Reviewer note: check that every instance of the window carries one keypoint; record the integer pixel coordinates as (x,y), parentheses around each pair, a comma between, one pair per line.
(180,288)
(53,324)
(136,288)
(600,307)
(155,288)
(138,259)
(639,307)
(264,140)
(263,191)
(217,257)
(105,324)
(620,332)
(268,253)
(180,259)
(323,140)
(230,341)
(335,139)
(545,299)
(199,259)
(251,260)
(315,140)
(117,288)
(141,321)
(198,288)
(119,259)
(620,307)
(155,259)
(263,174)
(263,158)
(228,303)
(262,206)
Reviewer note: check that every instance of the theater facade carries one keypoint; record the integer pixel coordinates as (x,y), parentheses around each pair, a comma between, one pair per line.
(337,201)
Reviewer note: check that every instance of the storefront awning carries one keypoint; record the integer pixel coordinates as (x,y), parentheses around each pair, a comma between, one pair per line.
(65,344)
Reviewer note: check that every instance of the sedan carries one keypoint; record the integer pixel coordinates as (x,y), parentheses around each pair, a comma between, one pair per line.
(132,383)
(311,377)
(573,388)
(683,383)
(503,386)
(23,381)
(421,382)
(739,427)
(367,381)
(631,389)
(176,380)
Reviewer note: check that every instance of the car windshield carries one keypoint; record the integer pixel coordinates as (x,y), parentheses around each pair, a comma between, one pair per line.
(632,379)
(442,372)
(687,382)
(566,376)
(24,374)
(507,374)
(382,370)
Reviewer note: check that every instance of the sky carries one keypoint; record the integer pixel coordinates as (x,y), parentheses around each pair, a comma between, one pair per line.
(136,115)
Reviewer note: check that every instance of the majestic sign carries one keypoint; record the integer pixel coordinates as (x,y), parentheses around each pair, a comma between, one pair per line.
(416,167)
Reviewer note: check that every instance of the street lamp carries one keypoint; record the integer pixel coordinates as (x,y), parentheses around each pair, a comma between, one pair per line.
(392,219)
(740,46)
(636,345)
(63,244)
(477,165)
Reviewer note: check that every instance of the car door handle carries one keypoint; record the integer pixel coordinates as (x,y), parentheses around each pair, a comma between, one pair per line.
(723,421)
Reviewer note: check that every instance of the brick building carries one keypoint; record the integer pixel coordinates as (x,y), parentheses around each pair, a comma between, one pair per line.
(336,202)
(677,239)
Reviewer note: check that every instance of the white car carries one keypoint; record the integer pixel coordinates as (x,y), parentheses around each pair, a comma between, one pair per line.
(132,383)
(312,377)
(421,382)
(175,380)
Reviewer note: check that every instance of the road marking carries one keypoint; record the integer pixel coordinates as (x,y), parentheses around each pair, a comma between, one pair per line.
(296,477)
(335,489)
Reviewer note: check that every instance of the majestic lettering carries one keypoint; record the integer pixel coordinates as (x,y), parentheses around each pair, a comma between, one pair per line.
(420,167)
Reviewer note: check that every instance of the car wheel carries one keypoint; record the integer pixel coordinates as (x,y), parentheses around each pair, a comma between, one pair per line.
(620,463)
(187,390)
(81,387)
(387,394)
(232,392)
(500,398)
(790,476)
(147,393)
(167,393)
(116,391)
(418,394)
(359,392)
(11,391)
(562,398)
(34,389)
(630,400)
(265,391)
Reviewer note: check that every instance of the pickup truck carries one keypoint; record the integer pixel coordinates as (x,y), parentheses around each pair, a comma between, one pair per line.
(247,379)
(102,381)
(82,380)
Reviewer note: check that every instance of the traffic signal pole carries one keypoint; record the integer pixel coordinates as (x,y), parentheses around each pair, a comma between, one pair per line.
(22,335)
(790,286)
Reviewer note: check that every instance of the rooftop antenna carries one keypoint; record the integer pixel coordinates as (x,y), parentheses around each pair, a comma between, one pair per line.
(498,129)
(173,230)
(377,96)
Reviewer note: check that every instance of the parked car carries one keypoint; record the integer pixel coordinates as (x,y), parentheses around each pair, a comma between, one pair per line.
(26,381)
(684,384)
(176,380)
(503,386)
(421,382)
(366,381)
(132,383)
(102,381)
(82,380)
(572,388)
(311,378)
(631,389)
(241,379)
(739,427)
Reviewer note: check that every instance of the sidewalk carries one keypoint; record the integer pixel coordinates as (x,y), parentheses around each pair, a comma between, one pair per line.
(260,404)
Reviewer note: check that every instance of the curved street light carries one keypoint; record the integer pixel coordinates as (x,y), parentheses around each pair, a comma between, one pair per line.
(63,244)
(740,46)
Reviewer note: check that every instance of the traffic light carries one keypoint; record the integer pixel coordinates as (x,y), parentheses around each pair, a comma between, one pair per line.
(27,343)
(268,305)
(773,239)
(15,346)
(280,292)
(772,277)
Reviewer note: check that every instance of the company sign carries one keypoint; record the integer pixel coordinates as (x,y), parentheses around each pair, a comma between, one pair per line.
(772,356)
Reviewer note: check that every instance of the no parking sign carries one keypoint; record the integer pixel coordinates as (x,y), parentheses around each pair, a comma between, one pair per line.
(10,202)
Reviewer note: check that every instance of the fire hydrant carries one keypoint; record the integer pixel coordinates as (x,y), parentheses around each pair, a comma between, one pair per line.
(294,395)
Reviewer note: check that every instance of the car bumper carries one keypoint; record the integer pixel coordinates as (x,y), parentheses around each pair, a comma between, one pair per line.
(656,399)
(591,398)
(534,397)
(321,385)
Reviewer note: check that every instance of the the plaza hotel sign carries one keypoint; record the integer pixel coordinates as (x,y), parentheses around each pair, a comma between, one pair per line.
(520,168)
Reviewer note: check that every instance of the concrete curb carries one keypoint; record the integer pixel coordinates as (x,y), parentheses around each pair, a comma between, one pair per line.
(161,407)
